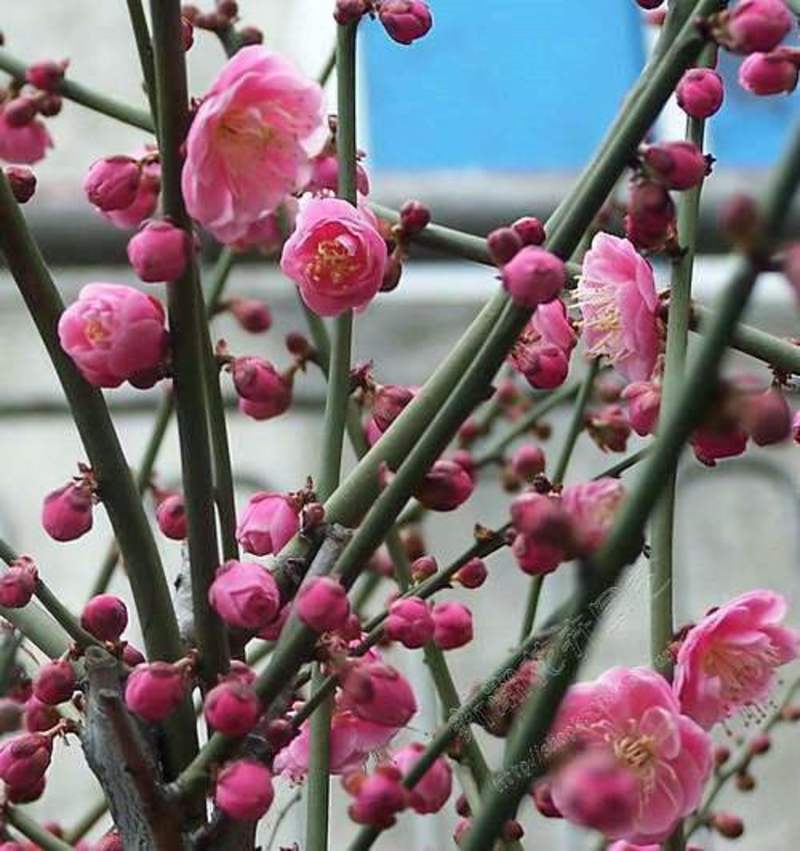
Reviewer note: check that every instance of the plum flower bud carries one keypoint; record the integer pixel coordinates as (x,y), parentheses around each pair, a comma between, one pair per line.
(325,175)
(105,617)
(349,11)
(445,487)
(187,33)
(336,255)
(753,25)
(534,276)
(650,220)
(543,800)
(244,790)
(40,717)
(18,583)
(597,791)
(503,245)
(678,165)
(423,567)
(55,682)
(322,604)
(728,825)
(530,230)
(159,251)
(700,92)
(378,798)
(738,218)
(528,461)
(409,622)
(251,314)
(405,20)
(452,625)
(155,690)
(714,442)
(389,402)
(414,217)
(433,789)
(244,595)
(22,182)
(232,708)
(24,760)
(113,333)
(770,73)
(768,417)
(171,517)
(258,383)
(472,574)
(378,693)
(67,511)
(131,656)
(47,75)
(269,522)
(20,111)
(113,183)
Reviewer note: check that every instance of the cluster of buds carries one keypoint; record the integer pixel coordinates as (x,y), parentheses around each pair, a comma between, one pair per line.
(224,15)
(405,21)
(413,623)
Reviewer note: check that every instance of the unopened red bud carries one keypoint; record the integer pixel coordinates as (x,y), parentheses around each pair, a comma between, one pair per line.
(700,92)
(349,11)
(766,74)
(462,806)
(530,230)
(414,217)
(423,567)
(18,583)
(745,782)
(528,461)
(250,35)
(187,33)
(650,221)
(469,432)
(22,181)
(392,274)
(760,744)
(253,315)
(298,345)
(228,8)
(211,21)
(473,574)
(721,755)
(20,111)
(503,244)
(534,276)
(728,825)
(105,617)
(405,20)
(232,708)
(768,418)
(171,517)
(512,831)
(190,12)
(649,4)
(46,76)
(279,732)
(413,543)
(49,105)
(55,683)
(67,512)
(678,165)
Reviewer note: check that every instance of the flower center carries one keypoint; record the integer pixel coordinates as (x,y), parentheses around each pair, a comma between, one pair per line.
(95,332)
(242,135)
(740,670)
(601,313)
(332,263)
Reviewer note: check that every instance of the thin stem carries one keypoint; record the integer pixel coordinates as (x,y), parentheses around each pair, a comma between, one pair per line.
(662,625)
(577,423)
(281,817)
(32,830)
(144,47)
(318,782)
(85,96)
(87,821)
(188,339)
(531,606)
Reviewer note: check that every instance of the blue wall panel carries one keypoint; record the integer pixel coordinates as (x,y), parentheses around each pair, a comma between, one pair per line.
(512,85)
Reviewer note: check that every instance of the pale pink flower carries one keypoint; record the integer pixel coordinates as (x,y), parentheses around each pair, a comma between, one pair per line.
(591,507)
(113,333)
(336,255)
(728,661)
(250,143)
(26,144)
(618,301)
(632,714)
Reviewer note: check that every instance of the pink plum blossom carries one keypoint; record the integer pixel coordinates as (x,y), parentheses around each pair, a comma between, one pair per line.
(250,143)
(336,255)
(543,350)
(728,661)
(431,792)
(25,144)
(618,302)
(268,523)
(591,507)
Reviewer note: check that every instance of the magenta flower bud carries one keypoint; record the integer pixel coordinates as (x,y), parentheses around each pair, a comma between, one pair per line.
(712,443)
(272,630)
(378,693)
(527,462)
(105,617)
(770,73)
(251,314)
(597,791)
(472,574)
(24,759)
(650,221)
(155,690)
(49,105)
(244,790)
(251,35)
(244,595)
(530,230)
(159,251)
(55,682)
(768,417)
(113,183)
(322,604)
(423,567)
(67,512)
(349,11)
(433,789)
(258,382)
(325,176)
(414,217)
(649,4)
(27,795)
(728,825)
(378,798)
(760,744)
(543,800)
(453,625)
(644,404)
(389,402)
(131,656)
(232,708)
(187,33)
(268,523)
(405,20)
(40,717)
(47,75)
(678,165)
(20,111)
(754,26)
(534,276)
(700,92)
(409,622)
(171,517)
(18,583)
(22,181)
(503,245)
(445,487)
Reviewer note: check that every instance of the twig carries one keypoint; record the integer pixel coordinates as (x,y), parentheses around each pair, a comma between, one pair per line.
(34,831)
